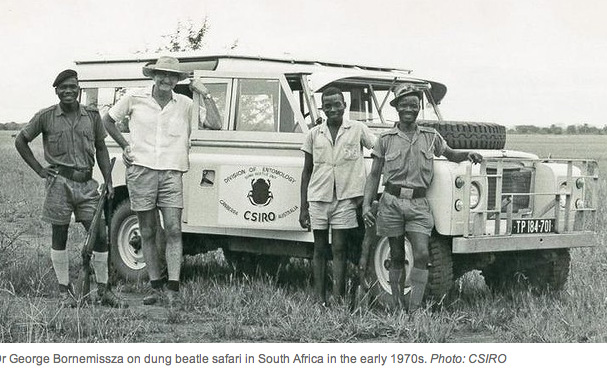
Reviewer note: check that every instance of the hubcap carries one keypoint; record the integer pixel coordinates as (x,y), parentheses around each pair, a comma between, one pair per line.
(129,244)
(381,264)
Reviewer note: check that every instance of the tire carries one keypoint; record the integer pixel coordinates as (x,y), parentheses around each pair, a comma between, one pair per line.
(540,271)
(469,135)
(126,255)
(440,271)
(440,276)
(552,275)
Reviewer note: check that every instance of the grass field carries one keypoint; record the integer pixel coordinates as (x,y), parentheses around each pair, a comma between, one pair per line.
(220,306)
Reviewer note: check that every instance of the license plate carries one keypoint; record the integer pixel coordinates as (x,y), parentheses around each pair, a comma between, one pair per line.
(532,226)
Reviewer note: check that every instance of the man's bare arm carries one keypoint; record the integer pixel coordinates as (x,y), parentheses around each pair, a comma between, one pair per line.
(112,130)
(306,173)
(459,156)
(371,187)
(213,118)
(22,145)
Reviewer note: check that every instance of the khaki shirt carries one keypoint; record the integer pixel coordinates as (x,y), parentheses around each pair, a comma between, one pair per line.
(339,169)
(160,137)
(67,144)
(409,162)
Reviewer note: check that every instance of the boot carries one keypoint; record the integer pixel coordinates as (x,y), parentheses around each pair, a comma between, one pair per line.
(394,278)
(419,279)
(106,297)
(155,296)
(68,298)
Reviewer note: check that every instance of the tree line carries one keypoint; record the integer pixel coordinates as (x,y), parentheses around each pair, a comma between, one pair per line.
(11,126)
(559,130)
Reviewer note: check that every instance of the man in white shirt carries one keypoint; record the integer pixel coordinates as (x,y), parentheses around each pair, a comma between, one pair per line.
(160,123)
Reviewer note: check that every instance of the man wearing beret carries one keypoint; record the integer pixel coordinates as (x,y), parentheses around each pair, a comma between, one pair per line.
(406,154)
(156,155)
(73,137)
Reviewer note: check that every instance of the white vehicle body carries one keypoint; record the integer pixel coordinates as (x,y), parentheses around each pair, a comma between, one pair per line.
(242,189)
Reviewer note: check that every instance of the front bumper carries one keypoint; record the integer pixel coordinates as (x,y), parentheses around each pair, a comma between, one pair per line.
(506,243)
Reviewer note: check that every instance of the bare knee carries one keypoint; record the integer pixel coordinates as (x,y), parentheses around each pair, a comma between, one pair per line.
(59,237)
(172,232)
(147,232)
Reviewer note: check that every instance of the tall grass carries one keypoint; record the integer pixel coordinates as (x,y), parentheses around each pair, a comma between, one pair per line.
(224,307)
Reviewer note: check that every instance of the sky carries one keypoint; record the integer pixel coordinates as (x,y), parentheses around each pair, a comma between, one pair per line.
(526,62)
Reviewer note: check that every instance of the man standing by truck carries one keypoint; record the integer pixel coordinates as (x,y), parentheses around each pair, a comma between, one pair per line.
(72,136)
(405,154)
(160,122)
(332,184)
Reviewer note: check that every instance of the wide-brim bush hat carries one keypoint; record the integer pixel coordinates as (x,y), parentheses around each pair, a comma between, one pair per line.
(405,89)
(165,63)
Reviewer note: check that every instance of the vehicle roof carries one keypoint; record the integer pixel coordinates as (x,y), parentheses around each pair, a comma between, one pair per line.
(129,68)
(191,58)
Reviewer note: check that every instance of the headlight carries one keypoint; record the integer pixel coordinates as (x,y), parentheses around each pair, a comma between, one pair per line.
(563,190)
(475,195)
(459,205)
(579,204)
(459,182)
(579,183)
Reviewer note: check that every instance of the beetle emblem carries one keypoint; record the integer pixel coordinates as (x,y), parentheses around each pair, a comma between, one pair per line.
(260,194)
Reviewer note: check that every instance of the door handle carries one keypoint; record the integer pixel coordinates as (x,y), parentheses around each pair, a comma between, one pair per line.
(208,178)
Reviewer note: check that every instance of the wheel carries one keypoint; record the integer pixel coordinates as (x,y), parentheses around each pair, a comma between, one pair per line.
(540,271)
(499,276)
(440,270)
(469,135)
(553,272)
(377,271)
(126,254)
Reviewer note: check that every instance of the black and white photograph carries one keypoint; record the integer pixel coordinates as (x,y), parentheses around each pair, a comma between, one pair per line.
(254,173)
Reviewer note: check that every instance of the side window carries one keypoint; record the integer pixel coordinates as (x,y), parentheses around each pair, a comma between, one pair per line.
(219,93)
(261,105)
(104,98)
(257,105)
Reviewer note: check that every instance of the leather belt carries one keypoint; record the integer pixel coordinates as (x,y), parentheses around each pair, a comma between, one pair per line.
(404,192)
(74,174)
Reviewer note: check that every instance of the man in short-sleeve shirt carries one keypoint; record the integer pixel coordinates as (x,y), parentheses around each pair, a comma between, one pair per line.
(405,155)
(332,185)
(72,136)
(160,123)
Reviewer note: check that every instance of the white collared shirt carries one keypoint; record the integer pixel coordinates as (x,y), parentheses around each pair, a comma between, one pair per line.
(338,166)
(159,136)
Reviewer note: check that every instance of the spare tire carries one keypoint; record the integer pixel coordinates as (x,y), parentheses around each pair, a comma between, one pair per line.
(469,135)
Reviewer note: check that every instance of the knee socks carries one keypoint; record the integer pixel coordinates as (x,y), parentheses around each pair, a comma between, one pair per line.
(61,265)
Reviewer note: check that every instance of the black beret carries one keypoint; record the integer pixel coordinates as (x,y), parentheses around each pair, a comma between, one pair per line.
(69,73)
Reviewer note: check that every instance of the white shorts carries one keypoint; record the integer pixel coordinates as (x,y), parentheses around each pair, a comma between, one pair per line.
(339,214)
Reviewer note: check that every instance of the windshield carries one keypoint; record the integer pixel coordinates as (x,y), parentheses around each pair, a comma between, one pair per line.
(365,97)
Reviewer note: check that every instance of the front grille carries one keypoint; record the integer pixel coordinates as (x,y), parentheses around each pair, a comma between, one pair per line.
(514,181)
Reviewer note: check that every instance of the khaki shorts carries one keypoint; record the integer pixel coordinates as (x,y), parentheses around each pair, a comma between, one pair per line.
(149,188)
(396,216)
(340,214)
(65,196)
